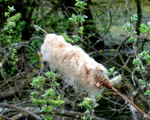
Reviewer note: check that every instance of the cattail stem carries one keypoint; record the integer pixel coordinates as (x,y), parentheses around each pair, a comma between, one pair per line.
(39,28)
(129,101)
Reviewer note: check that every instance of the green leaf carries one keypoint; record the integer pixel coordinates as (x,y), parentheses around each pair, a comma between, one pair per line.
(81,30)
(127,27)
(147,93)
(49,93)
(85,16)
(142,82)
(50,74)
(76,38)
(47,109)
(15,17)
(111,70)
(74,18)
(6,14)
(67,38)
(11,24)
(87,104)
(143,53)
(47,117)
(132,39)
(56,103)
(38,82)
(134,18)
(137,61)
(56,84)
(80,4)
(34,93)
(11,9)
(38,101)
(143,28)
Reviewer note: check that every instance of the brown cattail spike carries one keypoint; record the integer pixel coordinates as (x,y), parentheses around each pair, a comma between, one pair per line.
(101,80)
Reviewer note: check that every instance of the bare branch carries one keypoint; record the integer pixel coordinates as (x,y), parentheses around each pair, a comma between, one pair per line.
(21,109)
(74,114)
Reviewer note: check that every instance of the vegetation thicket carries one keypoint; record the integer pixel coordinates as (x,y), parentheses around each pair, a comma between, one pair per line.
(115,33)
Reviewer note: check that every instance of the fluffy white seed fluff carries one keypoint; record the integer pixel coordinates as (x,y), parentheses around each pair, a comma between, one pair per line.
(75,66)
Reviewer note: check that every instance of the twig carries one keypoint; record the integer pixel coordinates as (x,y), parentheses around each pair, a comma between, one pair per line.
(5,118)
(12,90)
(21,109)
(125,98)
(74,114)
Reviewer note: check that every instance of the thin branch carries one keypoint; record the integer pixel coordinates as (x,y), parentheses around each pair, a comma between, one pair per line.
(12,91)
(21,109)
(130,102)
(74,114)
(5,118)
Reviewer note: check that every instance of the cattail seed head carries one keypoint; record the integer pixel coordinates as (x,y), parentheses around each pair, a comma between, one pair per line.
(75,66)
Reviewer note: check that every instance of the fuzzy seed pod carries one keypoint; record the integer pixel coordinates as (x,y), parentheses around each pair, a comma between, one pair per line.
(75,66)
